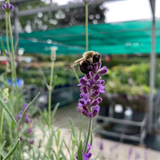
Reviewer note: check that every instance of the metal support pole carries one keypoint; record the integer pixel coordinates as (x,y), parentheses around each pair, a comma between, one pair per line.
(152,70)
(16,32)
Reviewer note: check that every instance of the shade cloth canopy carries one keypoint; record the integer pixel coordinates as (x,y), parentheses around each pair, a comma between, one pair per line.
(109,38)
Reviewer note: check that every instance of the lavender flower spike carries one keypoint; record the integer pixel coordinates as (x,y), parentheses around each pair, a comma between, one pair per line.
(87,155)
(91,87)
(8,7)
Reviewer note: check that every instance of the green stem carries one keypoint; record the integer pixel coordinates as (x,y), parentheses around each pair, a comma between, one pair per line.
(14,74)
(76,75)
(2,118)
(50,93)
(50,101)
(9,51)
(13,57)
(86,16)
(13,61)
(89,133)
(7,40)
(81,128)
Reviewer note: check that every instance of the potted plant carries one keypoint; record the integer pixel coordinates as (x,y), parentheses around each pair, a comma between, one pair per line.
(137,98)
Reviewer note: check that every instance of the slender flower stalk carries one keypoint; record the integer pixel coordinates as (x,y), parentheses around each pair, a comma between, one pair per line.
(86,20)
(1,129)
(86,2)
(9,8)
(50,88)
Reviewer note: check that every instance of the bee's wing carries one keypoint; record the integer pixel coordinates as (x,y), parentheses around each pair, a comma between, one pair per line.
(77,61)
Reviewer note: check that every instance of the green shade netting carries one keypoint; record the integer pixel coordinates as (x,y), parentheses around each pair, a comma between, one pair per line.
(45,48)
(110,38)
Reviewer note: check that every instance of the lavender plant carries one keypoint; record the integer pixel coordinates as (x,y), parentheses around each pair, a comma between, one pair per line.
(11,102)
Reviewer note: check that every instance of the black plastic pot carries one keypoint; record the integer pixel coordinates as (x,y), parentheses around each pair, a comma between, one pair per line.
(138,115)
(118,115)
(104,111)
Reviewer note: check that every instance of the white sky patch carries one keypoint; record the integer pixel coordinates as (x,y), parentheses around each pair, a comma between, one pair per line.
(124,10)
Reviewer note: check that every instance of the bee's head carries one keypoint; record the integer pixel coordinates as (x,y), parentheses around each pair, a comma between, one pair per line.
(96,58)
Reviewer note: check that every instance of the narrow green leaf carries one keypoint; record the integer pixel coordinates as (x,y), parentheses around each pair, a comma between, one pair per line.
(23,130)
(44,77)
(80,156)
(7,110)
(29,154)
(20,96)
(67,149)
(29,106)
(85,135)
(76,75)
(63,156)
(44,117)
(97,127)
(72,127)
(83,119)
(61,126)
(55,82)
(58,136)
(33,151)
(91,142)
(56,139)
(55,110)
(98,155)
(12,150)
(16,45)
(2,45)
(60,149)
(42,128)
(54,153)
(3,145)
(50,142)
(37,150)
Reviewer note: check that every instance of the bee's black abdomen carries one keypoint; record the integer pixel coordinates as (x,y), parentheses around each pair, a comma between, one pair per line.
(85,67)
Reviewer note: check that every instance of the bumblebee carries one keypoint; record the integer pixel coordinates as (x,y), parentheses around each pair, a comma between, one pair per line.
(87,61)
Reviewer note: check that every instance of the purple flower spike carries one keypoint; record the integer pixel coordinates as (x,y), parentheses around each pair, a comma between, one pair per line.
(86,1)
(137,156)
(87,155)
(101,146)
(29,130)
(91,87)
(31,141)
(21,138)
(8,7)
(26,119)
